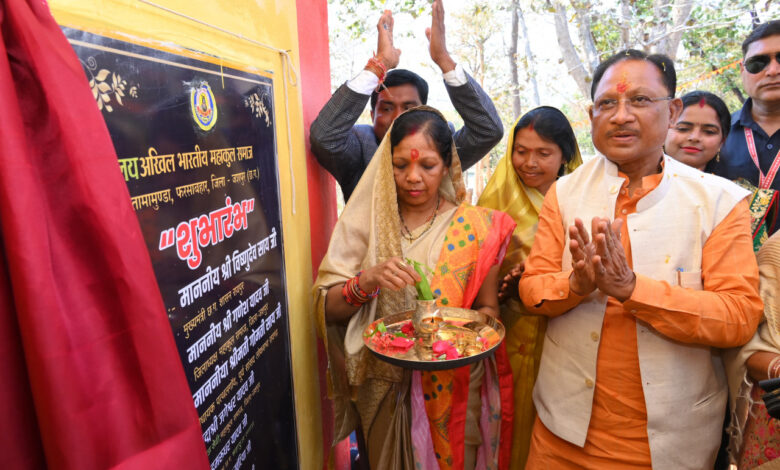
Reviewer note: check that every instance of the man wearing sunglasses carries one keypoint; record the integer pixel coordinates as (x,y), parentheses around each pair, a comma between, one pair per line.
(752,148)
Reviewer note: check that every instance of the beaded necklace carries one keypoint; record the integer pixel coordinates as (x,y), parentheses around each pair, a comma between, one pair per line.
(432,219)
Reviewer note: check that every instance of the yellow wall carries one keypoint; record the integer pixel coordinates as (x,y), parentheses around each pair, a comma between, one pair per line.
(272,22)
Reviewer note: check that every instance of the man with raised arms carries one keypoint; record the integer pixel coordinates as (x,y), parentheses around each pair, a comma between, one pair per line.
(345,149)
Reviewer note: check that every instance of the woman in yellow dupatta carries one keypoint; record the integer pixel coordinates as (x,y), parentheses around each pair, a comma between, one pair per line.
(541,149)
(409,204)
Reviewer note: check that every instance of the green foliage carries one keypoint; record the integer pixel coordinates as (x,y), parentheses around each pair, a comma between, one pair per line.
(606,35)
(710,36)
(478,34)
(360,16)
(477,25)
(716,43)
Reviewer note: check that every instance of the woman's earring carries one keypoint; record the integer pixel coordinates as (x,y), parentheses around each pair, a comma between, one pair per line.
(717,157)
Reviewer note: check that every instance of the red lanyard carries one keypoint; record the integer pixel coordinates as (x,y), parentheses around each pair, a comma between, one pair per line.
(764,182)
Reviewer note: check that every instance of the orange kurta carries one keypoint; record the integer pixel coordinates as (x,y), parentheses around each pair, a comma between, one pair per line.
(617,434)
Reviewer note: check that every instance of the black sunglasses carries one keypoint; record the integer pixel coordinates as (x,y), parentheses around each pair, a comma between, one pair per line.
(758,63)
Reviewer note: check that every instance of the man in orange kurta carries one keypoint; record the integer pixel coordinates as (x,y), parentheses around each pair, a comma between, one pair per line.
(632,109)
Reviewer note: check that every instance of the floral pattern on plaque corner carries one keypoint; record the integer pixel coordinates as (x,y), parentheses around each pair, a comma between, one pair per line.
(106,85)
(256,104)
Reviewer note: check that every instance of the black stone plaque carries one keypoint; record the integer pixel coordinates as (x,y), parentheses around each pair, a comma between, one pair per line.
(196,146)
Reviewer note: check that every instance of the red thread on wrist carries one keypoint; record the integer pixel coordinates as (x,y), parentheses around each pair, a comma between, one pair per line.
(375,60)
(378,68)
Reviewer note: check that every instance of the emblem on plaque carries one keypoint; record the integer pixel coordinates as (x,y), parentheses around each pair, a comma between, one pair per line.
(203,106)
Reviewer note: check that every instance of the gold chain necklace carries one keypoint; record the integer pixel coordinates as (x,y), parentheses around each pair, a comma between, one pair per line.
(408,234)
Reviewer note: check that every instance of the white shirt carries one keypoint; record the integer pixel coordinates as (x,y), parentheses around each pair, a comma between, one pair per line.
(365,82)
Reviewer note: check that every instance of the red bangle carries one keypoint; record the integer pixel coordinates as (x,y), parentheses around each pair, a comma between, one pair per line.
(361,291)
(349,295)
(354,295)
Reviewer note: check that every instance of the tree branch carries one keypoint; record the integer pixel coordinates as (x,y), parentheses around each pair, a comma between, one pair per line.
(582,11)
(670,42)
(625,23)
(568,52)
(712,25)
(529,57)
(515,8)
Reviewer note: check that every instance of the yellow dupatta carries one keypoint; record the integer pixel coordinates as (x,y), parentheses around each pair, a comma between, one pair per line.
(506,192)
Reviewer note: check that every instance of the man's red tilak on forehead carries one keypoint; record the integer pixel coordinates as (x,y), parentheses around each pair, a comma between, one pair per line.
(622,86)
(415,154)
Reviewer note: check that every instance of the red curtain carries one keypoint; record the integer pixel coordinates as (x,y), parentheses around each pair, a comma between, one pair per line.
(89,373)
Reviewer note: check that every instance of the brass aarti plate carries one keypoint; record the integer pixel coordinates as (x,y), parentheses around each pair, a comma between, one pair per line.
(473,334)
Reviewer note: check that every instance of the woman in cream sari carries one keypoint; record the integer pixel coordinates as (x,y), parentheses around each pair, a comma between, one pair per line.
(541,149)
(409,204)
(754,435)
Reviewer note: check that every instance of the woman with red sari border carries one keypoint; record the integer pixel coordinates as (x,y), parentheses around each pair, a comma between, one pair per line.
(409,204)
